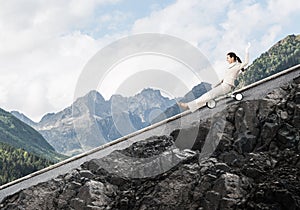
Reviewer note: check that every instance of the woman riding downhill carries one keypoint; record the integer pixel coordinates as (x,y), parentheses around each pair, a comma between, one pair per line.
(223,87)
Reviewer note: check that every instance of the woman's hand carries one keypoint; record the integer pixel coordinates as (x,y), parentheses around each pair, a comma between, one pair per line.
(248,46)
(183,105)
(219,83)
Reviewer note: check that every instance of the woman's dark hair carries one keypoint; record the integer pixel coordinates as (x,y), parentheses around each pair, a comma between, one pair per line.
(235,57)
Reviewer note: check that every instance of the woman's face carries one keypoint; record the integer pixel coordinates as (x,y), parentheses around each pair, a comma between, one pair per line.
(230,59)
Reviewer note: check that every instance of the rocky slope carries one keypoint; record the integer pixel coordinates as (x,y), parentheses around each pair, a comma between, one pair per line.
(253,162)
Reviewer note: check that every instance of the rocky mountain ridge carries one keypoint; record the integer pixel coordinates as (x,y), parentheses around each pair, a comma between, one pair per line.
(23,118)
(92,121)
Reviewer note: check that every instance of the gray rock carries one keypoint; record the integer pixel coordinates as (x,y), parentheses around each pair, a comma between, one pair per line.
(245,143)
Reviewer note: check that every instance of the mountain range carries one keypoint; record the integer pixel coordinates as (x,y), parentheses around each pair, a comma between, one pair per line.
(92,121)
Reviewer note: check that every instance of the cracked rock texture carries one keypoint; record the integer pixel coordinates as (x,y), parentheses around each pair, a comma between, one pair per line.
(245,157)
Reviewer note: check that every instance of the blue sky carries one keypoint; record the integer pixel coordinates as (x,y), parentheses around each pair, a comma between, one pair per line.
(45,45)
(128,12)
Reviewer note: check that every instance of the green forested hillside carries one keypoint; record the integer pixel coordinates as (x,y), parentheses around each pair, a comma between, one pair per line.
(16,163)
(19,135)
(284,54)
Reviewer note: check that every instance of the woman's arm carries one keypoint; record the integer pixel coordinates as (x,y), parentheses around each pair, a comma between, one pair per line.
(246,61)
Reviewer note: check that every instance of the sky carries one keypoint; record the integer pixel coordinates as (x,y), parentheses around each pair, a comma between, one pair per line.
(46,45)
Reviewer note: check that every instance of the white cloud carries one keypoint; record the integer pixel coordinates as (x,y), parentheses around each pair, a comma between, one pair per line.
(44,79)
(283,9)
(44,45)
(270,36)
(158,69)
(27,24)
(115,19)
(42,53)
(190,20)
(217,27)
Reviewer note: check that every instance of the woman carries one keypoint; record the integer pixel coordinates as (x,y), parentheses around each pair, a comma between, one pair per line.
(225,86)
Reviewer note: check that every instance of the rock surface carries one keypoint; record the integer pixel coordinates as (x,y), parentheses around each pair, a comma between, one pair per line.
(249,161)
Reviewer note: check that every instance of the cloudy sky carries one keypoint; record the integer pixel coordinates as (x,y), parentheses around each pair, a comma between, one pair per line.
(45,45)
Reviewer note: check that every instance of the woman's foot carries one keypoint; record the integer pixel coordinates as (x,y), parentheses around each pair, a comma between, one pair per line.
(183,105)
